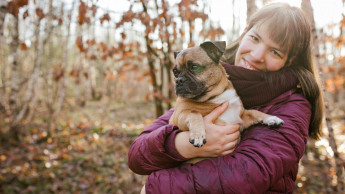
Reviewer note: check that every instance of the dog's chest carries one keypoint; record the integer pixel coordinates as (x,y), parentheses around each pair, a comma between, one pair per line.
(232,114)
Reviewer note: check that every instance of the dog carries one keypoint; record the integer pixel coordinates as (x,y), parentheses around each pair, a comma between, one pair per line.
(201,85)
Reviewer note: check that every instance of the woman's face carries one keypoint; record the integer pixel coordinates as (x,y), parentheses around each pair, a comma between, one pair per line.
(260,53)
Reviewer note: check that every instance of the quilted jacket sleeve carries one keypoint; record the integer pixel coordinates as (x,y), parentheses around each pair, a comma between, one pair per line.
(154,149)
(266,159)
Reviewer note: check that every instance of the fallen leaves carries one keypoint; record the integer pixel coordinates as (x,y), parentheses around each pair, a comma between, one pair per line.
(86,154)
(82,161)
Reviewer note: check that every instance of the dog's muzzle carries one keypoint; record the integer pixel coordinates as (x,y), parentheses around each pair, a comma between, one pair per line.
(180,81)
(187,88)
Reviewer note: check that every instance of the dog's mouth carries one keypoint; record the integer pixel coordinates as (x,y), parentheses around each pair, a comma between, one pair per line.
(192,90)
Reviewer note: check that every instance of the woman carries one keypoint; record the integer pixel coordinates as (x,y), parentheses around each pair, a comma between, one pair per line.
(273,72)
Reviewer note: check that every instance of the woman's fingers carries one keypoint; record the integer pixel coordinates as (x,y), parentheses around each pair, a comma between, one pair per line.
(231,128)
(229,147)
(230,139)
(221,139)
(235,129)
(212,116)
(228,152)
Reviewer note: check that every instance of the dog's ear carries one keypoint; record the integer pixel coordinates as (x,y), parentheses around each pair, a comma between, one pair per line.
(176,53)
(214,49)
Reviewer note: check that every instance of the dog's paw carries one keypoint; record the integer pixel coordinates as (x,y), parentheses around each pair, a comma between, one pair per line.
(273,122)
(197,139)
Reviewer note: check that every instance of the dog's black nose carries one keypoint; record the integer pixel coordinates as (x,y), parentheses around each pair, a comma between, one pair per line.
(180,80)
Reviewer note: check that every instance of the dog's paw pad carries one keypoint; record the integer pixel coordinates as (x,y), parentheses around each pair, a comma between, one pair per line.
(191,141)
(273,122)
(197,140)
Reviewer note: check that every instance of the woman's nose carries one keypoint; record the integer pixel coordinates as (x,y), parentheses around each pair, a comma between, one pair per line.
(258,53)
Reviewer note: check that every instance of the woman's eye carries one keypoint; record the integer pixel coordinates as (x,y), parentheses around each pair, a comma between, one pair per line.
(254,38)
(276,53)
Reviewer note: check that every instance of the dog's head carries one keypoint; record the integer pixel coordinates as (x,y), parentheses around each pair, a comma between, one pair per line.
(197,69)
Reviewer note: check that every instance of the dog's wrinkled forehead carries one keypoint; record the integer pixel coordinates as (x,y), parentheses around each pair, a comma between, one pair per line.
(194,54)
(209,50)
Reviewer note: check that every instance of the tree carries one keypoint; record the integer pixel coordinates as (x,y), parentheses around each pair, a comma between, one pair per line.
(3,11)
(158,20)
(13,9)
(41,60)
(251,8)
(306,6)
(60,76)
(40,43)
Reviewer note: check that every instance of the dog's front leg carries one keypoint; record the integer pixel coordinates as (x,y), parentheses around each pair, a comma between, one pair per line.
(195,123)
(143,190)
(252,117)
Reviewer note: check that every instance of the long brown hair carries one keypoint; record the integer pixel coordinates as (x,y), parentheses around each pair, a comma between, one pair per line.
(289,27)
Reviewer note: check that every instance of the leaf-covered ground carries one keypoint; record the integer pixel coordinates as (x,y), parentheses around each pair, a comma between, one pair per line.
(88,154)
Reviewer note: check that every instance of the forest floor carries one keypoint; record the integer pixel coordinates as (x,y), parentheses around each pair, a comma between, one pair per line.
(87,153)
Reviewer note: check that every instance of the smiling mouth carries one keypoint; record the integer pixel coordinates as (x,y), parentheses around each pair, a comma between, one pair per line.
(248,66)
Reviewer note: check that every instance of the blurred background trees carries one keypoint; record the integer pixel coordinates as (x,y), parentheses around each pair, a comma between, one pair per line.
(63,57)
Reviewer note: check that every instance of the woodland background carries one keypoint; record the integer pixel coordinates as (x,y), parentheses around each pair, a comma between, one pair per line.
(79,82)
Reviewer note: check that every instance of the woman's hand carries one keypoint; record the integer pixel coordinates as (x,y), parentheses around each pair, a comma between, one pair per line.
(221,140)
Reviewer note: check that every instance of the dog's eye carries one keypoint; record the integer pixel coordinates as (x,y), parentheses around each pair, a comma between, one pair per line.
(176,72)
(197,68)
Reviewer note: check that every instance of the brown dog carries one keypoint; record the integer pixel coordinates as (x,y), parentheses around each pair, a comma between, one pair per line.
(201,85)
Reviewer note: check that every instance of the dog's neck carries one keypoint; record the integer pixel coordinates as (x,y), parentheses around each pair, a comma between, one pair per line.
(233,113)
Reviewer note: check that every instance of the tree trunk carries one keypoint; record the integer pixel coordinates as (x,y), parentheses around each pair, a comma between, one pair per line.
(157,94)
(12,131)
(168,65)
(39,47)
(62,83)
(14,66)
(233,29)
(191,30)
(3,11)
(167,62)
(306,6)
(251,8)
(32,83)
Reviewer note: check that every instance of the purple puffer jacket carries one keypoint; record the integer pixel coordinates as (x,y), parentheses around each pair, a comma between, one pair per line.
(266,160)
